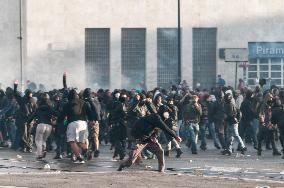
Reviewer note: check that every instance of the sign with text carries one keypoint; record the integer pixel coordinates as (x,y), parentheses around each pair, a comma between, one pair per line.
(236,54)
(266,50)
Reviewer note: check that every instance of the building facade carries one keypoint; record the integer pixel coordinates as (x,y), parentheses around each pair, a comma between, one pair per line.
(121,43)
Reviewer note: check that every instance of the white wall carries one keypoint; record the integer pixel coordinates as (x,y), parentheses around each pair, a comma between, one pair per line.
(9,44)
(62,23)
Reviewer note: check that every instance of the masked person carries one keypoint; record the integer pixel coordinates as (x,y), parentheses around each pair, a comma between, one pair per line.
(118,132)
(145,132)
(77,113)
(248,116)
(192,114)
(149,103)
(136,110)
(27,106)
(43,114)
(266,127)
(207,120)
(219,117)
(278,119)
(94,124)
(165,114)
(60,99)
(232,120)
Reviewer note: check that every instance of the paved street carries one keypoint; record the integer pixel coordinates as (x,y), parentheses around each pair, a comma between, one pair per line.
(207,165)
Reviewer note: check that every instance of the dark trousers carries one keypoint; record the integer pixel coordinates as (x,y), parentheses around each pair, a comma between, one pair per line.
(60,143)
(220,127)
(152,145)
(263,134)
(281,138)
(26,136)
(119,149)
(247,127)
(118,139)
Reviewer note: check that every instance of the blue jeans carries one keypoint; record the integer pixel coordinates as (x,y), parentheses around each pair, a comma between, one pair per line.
(12,129)
(211,128)
(191,131)
(182,132)
(233,132)
(179,128)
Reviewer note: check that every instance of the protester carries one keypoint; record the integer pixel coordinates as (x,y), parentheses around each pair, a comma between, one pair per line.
(145,132)
(44,115)
(77,113)
(78,121)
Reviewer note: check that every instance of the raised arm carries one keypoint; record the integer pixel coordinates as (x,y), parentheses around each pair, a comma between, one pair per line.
(16,93)
(64,80)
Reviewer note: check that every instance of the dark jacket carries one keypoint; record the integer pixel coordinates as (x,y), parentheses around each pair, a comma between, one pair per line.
(219,114)
(145,127)
(192,113)
(93,104)
(137,110)
(205,112)
(248,111)
(211,111)
(151,107)
(76,109)
(43,114)
(27,106)
(230,112)
(265,112)
(95,107)
(118,112)
(173,112)
(278,117)
(171,125)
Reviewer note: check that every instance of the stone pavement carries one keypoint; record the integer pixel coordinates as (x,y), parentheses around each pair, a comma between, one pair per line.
(207,164)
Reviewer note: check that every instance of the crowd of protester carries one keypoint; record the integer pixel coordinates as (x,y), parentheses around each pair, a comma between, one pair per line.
(147,123)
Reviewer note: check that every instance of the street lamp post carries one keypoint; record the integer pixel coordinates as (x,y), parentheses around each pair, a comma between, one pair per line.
(179,44)
(21,45)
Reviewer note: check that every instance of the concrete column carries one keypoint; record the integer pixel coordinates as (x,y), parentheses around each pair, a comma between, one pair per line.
(186,55)
(115,58)
(151,58)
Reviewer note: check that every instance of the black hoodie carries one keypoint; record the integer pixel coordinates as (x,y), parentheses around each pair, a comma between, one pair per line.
(145,127)
(93,104)
(76,109)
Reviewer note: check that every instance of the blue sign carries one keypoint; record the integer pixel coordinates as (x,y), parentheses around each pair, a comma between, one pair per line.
(266,50)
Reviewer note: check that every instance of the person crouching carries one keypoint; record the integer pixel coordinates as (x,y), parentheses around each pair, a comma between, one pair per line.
(145,132)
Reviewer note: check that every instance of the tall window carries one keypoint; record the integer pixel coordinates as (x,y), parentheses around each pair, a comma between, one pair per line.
(204,57)
(97,57)
(133,41)
(167,53)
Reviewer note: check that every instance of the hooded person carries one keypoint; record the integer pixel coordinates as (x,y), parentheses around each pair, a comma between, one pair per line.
(118,131)
(27,108)
(145,132)
(44,115)
(278,119)
(77,113)
(219,116)
(165,114)
(192,114)
(232,121)
(267,128)
(3,127)
(149,103)
(94,122)
(249,114)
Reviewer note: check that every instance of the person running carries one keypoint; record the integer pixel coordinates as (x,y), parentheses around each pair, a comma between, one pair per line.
(77,113)
(44,115)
